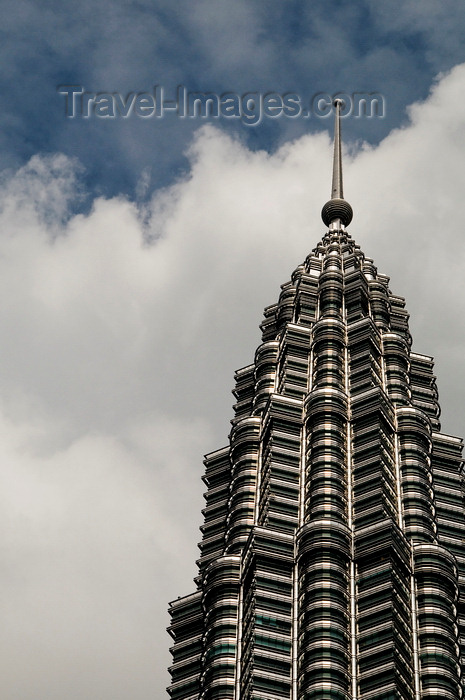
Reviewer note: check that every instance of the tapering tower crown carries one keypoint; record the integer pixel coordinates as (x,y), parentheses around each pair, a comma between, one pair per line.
(337,210)
(332,559)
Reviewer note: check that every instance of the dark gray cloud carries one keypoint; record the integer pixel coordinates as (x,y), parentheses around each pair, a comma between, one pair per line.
(395,49)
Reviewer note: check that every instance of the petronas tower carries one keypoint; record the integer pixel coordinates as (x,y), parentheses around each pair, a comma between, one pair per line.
(332,559)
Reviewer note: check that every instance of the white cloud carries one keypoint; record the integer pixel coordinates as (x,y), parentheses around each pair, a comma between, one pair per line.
(91,542)
(118,342)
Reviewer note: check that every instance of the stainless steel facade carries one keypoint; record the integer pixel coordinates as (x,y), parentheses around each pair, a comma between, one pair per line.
(332,559)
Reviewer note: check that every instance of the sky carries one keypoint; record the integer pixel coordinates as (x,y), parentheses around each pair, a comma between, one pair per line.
(136,256)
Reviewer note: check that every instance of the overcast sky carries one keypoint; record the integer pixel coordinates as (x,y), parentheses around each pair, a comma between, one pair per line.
(136,256)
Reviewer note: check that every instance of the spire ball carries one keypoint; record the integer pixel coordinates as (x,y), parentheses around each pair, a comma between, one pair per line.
(337,209)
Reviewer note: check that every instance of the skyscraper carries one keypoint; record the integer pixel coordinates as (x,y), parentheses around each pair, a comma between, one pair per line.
(332,559)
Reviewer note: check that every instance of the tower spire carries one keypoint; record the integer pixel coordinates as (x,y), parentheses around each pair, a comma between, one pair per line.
(337,211)
(336,190)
